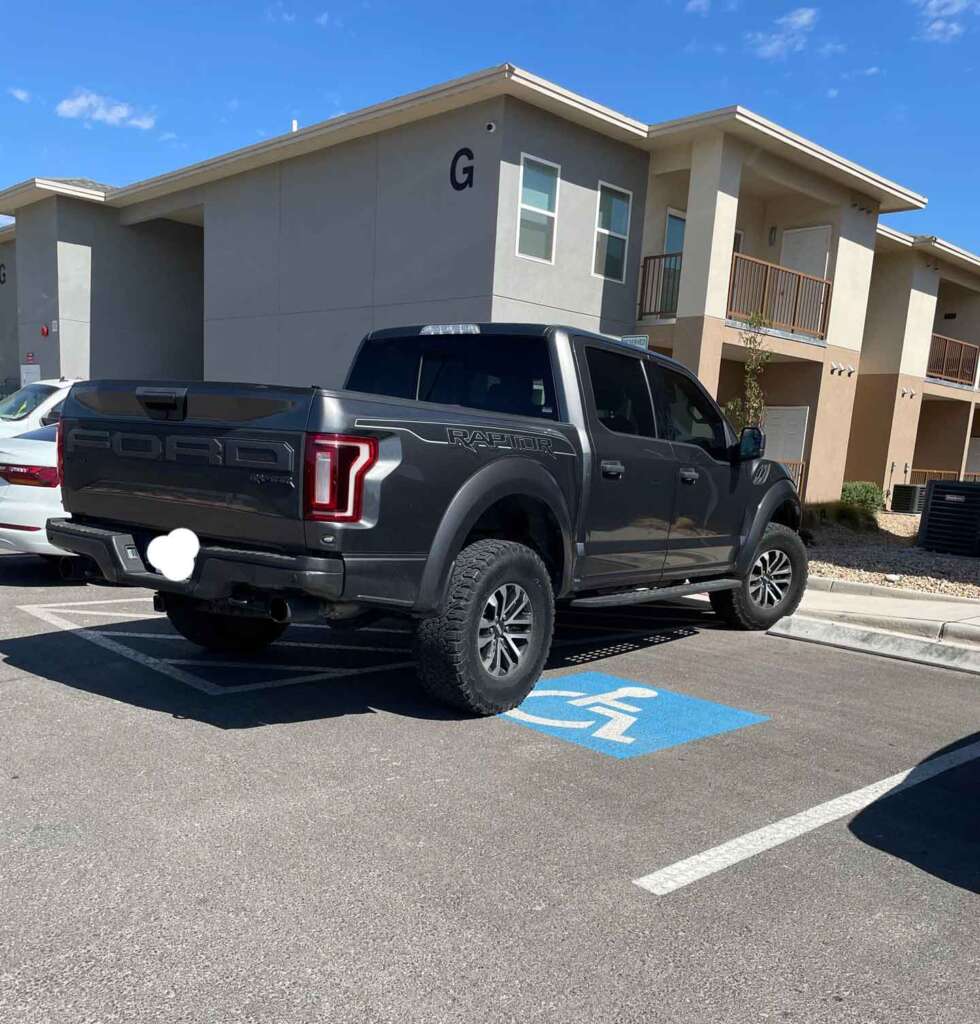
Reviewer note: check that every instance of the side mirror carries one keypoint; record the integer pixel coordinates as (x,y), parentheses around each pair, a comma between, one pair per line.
(50,419)
(752,444)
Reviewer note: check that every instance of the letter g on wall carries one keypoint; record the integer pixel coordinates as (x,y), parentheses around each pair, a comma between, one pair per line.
(461,174)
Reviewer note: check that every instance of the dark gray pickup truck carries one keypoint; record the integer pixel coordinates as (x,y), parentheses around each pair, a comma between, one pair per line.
(470,476)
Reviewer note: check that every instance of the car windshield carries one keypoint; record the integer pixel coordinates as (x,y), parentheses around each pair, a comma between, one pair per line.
(22,403)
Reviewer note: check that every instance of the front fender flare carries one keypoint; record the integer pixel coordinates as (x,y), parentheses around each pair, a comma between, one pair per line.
(505,478)
(756,522)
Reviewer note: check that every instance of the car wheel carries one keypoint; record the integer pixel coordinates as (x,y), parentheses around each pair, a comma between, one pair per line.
(774,585)
(485,650)
(236,634)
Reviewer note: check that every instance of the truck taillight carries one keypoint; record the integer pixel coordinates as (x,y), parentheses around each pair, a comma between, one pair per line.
(29,476)
(334,478)
(59,437)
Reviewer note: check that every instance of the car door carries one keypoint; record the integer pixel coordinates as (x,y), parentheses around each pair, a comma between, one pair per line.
(709,506)
(630,498)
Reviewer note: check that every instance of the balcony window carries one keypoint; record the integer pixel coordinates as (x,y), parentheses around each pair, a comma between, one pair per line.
(538,209)
(612,232)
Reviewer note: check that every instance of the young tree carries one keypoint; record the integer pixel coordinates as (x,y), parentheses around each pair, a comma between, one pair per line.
(749,408)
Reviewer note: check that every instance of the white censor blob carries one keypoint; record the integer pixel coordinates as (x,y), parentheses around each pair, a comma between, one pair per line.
(174,554)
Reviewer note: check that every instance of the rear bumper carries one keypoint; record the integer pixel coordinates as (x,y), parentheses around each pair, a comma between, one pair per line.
(217,573)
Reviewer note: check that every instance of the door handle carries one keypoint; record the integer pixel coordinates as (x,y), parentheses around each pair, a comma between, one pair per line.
(690,476)
(612,469)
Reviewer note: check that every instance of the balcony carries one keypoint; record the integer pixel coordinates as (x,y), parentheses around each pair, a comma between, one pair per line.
(660,282)
(954,362)
(785,299)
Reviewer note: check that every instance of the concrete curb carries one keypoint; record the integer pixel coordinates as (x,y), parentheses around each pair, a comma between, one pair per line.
(964,633)
(877,590)
(880,642)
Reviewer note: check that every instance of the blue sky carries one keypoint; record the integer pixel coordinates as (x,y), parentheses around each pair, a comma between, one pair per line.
(121,91)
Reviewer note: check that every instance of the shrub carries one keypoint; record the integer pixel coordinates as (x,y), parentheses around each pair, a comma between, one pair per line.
(864,494)
(855,517)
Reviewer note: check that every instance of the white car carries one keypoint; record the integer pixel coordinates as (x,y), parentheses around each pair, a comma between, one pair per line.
(30,494)
(34,405)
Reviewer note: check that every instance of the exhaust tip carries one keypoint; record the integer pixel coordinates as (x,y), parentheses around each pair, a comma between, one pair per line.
(67,569)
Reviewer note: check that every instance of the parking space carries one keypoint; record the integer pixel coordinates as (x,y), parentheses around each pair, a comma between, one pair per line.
(682,823)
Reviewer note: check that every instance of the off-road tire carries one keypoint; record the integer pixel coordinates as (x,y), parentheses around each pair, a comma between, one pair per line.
(449,664)
(738,609)
(233,634)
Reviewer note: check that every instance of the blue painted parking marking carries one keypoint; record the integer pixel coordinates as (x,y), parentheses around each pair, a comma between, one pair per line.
(623,718)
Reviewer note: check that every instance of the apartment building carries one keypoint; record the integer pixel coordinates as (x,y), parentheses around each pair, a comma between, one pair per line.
(915,408)
(497,196)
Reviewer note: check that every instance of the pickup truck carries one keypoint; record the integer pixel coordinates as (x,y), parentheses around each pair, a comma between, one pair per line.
(469,476)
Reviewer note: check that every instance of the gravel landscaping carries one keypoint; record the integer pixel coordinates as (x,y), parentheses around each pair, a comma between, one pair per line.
(888,556)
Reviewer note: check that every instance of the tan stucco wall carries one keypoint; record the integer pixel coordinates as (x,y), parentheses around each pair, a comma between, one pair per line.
(883,428)
(664,191)
(944,430)
(965,304)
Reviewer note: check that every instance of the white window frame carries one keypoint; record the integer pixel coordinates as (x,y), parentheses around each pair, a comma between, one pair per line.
(680,215)
(521,206)
(612,234)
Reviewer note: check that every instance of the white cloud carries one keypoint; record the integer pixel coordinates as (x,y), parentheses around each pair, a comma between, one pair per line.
(789,34)
(701,7)
(940,18)
(168,136)
(832,49)
(869,72)
(89,106)
(21,95)
(323,19)
(832,94)
(279,12)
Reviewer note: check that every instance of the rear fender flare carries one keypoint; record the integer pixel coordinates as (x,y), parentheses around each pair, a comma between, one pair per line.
(504,478)
(756,522)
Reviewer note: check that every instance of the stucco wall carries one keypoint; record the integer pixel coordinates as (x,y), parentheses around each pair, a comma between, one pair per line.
(965,304)
(304,257)
(566,291)
(668,190)
(130,298)
(9,359)
(37,284)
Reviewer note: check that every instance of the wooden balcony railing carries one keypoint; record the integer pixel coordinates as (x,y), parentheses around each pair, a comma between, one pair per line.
(952,360)
(923,476)
(660,282)
(786,299)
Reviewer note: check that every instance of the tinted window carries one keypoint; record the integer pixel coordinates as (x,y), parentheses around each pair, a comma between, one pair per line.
(622,401)
(686,414)
(22,403)
(509,374)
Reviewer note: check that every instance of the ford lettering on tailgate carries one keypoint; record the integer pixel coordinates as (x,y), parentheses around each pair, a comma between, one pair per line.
(242,453)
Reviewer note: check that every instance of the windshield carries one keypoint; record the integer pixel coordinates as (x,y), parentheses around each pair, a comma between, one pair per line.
(22,403)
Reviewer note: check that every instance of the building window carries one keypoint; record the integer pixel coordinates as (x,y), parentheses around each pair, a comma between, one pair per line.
(612,230)
(538,209)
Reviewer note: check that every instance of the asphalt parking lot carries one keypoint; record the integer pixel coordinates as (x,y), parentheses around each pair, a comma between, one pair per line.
(305,838)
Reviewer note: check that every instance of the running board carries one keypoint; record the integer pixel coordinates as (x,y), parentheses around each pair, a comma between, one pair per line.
(648,594)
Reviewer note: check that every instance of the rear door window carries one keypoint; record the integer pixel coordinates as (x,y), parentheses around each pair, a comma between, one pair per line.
(620,393)
(507,374)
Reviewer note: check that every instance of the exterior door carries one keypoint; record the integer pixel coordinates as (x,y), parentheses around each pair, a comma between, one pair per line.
(630,497)
(709,505)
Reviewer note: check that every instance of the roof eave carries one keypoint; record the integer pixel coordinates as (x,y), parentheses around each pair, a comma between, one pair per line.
(35,189)
(947,251)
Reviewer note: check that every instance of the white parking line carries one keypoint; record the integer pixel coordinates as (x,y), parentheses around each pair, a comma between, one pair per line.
(279,643)
(684,872)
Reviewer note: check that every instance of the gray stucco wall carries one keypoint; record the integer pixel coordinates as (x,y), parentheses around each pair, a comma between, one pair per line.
(130,298)
(567,291)
(304,257)
(9,360)
(37,284)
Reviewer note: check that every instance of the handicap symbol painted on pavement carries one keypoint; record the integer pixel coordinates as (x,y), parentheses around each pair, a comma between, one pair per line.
(622,718)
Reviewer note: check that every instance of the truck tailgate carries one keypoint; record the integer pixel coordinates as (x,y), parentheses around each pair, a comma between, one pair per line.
(224,460)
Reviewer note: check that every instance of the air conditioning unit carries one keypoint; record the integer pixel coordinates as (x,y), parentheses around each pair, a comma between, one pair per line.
(951,519)
(909,498)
